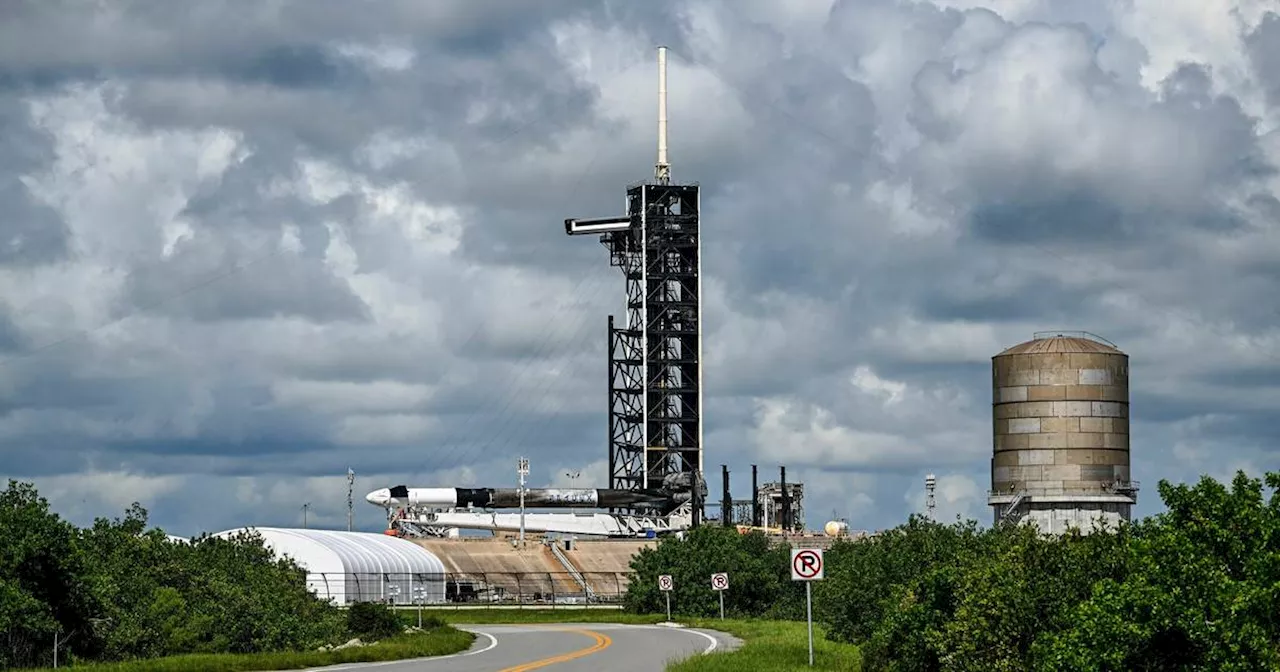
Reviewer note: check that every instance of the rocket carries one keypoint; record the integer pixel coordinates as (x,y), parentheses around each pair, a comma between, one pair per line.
(507,498)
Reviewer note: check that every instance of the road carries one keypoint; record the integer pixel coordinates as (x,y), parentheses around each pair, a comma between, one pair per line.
(565,647)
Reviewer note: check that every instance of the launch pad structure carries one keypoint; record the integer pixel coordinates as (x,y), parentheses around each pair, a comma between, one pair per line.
(655,396)
(654,377)
(655,358)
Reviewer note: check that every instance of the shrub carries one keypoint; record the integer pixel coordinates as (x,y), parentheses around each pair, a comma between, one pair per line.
(759,580)
(432,621)
(371,621)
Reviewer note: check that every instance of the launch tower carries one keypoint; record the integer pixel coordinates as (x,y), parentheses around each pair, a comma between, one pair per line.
(655,357)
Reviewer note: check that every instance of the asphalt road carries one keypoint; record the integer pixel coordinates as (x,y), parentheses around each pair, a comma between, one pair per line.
(565,647)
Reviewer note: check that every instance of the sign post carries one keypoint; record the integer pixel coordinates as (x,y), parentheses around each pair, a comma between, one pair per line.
(665,585)
(806,565)
(720,583)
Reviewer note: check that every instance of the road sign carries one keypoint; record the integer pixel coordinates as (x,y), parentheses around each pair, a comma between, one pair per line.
(665,584)
(720,583)
(806,564)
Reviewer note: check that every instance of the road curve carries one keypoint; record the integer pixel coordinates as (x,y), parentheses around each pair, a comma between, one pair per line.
(565,647)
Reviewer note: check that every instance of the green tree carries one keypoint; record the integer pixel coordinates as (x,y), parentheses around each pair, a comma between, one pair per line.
(759,581)
(1203,593)
(43,584)
(117,590)
(861,575)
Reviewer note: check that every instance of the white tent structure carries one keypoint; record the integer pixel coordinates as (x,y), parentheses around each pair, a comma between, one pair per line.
(348,567)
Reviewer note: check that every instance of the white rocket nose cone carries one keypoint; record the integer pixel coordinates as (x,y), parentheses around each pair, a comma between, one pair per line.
(379,497)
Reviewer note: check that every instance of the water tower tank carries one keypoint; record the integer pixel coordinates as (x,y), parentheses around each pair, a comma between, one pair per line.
(1061,432)
(835,528)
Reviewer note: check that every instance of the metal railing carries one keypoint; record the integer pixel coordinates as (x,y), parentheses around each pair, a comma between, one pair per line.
(1112,488)
(474,588)
(1072,334)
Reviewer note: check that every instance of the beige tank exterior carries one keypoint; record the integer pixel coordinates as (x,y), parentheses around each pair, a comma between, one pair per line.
(1060,415)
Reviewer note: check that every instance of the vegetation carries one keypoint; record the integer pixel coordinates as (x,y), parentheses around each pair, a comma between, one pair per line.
(759,579)
(439,642)
(117,591)
(771,646)
(1193,588)
(372,621)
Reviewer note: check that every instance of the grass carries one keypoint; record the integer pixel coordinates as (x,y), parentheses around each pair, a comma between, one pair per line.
(521,616)
(775,646)
(434,642)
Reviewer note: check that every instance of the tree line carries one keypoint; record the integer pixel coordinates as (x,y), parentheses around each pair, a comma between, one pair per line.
(117,591)
(1196,587)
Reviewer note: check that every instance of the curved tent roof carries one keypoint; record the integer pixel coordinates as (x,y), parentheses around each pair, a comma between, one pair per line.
(341,552)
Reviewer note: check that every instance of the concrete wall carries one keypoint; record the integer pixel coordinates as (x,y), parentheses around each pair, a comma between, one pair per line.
(1052,518)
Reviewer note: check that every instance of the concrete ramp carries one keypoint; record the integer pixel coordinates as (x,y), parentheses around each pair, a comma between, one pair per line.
(492,570)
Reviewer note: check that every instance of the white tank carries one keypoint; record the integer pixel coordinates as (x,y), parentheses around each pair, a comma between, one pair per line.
(835,528)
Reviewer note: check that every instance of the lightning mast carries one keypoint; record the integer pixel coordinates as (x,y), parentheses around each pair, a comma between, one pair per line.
(655,360)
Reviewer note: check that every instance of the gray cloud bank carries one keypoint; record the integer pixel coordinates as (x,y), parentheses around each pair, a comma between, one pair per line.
(242,249)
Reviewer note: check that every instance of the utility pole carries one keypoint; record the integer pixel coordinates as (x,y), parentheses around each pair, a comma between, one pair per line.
(522,468)
(786,503)
(304,514)
(755,499)
(726,499)
(351,484)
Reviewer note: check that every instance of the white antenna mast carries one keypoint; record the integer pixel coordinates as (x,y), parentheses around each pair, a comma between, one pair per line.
(662,170)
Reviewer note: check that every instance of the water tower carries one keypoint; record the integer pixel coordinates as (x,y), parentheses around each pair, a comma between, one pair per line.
(1061,433)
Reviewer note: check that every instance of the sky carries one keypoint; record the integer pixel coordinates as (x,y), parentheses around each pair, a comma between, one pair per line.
(247,245)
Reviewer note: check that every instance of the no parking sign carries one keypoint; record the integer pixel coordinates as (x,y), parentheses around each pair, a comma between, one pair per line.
(807,566)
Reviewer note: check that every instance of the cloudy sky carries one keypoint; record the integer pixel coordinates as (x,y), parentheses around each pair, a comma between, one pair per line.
(245,245)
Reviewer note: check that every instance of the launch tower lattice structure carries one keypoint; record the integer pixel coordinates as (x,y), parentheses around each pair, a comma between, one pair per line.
(655,358)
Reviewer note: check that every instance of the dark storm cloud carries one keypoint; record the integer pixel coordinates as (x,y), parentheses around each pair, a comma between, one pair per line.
(1251,377)
(68,391)
(241,442)
(241,285)
(1055,219)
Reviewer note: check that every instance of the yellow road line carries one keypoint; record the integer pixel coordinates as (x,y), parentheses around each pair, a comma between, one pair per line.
(602,642)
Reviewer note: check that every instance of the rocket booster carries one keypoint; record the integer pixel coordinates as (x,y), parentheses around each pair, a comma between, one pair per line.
(508,498)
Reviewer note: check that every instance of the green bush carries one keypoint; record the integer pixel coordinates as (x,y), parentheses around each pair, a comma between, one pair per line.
(371,621)
(1193,588)
(117,591)
(759,580)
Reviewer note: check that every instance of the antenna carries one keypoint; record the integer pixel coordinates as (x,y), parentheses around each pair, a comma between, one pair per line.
(351,483)
(662,170)
(929,483)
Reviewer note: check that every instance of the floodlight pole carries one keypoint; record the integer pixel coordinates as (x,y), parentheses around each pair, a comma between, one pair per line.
(522,468)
